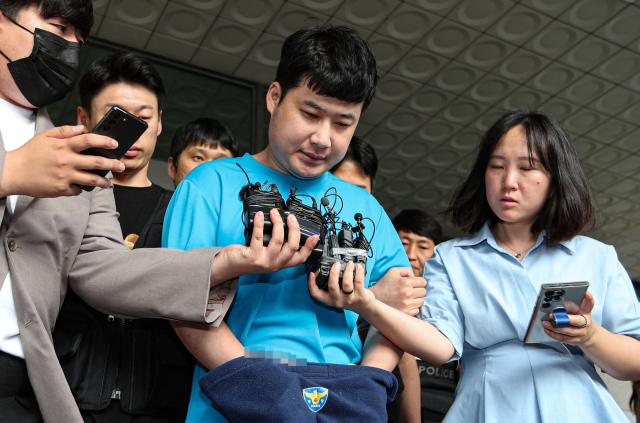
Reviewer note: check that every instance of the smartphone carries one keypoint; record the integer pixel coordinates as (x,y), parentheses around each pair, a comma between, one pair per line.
(123,127)
(565,296)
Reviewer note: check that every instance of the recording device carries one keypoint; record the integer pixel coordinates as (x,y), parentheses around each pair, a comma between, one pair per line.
(555,302)
(123,127)
(341,246)
(338,241)
(264,197)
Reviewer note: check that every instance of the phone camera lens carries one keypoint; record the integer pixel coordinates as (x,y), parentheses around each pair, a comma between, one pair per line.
(548,294)
(106,128)
(117,116)
(546,305)
(561,292)
(557,298)
(547,299)
(112,121)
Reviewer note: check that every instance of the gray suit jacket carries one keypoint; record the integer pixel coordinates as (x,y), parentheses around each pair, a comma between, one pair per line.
(78,241)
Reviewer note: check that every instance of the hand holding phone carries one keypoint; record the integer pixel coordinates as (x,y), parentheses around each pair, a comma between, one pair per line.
(123,127)
(555,302)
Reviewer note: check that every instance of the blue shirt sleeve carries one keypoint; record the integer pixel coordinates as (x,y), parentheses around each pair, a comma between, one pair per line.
(387,248)
(441,307)
(190,221)
(620,311)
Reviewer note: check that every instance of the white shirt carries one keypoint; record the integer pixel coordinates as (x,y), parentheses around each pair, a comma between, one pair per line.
(17,126)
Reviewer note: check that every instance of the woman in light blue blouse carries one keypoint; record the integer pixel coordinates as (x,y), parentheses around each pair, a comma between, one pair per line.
(524,202)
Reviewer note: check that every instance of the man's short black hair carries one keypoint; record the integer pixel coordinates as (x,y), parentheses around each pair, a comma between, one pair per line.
(202,131)
(78,13)
(334,61)
(363,153)
(130,68)
(420,223)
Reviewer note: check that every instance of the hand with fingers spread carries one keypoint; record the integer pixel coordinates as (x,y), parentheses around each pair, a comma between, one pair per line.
(580,328)
(400,289)
(51,165)
(237,260)
(353,295)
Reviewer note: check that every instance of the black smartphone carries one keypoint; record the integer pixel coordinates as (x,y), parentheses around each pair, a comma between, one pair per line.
(563,298)
(123,127)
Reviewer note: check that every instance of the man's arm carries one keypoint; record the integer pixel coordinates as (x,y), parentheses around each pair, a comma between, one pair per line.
(410,404)
(50,164)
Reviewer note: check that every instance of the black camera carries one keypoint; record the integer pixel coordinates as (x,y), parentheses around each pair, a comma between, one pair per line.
(255,198)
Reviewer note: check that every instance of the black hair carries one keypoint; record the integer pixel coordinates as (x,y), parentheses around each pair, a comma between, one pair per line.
(334,61)
(202,131)
(418,222)
(570,207)
(130,68)
(363,153)
(78,13)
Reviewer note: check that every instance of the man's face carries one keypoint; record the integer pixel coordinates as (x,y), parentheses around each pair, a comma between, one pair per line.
(192,156)
(308,133)
(353,173)
(418,248)
(17,44)
(137,100)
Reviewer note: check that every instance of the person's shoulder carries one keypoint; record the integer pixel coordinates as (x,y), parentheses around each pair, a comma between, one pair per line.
(581,244)
(208,171)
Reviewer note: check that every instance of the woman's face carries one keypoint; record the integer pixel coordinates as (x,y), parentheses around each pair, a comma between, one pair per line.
(516,188)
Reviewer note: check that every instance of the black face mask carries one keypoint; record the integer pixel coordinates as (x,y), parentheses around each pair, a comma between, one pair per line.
(51,70)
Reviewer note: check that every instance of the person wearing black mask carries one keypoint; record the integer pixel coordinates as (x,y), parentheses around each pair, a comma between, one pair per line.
(56,236)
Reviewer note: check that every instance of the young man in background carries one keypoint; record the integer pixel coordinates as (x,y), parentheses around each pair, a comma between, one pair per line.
(197,142)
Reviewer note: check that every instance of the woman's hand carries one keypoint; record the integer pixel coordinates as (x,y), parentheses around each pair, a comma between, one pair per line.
(581,327)
(353,295)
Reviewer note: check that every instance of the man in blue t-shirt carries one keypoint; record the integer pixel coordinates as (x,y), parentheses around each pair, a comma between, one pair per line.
(325,79)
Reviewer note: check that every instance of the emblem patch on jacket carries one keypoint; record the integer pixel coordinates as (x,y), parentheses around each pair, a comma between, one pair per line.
(315,398)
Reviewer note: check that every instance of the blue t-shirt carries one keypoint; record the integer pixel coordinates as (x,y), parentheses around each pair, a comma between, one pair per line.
(274,311)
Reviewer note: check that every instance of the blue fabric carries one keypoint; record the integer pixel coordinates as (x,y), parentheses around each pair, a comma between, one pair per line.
(481,298)
(274,312)
(355,394)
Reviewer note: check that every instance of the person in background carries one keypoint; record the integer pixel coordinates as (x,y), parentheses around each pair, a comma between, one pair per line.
(197,142)
(359,167)
(420,233)
(125,370)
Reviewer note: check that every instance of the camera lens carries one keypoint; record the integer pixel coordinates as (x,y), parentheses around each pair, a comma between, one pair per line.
(548,294)
(546,305)
(547,299)
(561,292)
(106,128)
(557,298)
(117,116)
(112,121)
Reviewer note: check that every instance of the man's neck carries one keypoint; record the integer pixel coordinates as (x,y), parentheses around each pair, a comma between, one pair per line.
(266,158)
(137,179)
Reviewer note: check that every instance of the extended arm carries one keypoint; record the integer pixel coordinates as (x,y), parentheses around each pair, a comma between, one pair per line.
(414,336)
(410,404)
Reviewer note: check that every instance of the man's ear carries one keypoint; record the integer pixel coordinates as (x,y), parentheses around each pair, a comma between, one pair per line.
(160,125)
(274,95)
(171,170)
(83,118)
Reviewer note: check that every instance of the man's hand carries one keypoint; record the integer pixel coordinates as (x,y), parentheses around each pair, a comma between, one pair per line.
(50,164)
(237,260)
(401,290)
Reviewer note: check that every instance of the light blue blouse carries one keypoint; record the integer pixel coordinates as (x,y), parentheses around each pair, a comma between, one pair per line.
(481,298)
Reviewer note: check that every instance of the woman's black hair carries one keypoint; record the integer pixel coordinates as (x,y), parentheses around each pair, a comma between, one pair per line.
(570,207)
(130,68)
(78,13)
(333,61)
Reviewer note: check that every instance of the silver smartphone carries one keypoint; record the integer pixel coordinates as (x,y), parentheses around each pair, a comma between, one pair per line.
(554,297)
